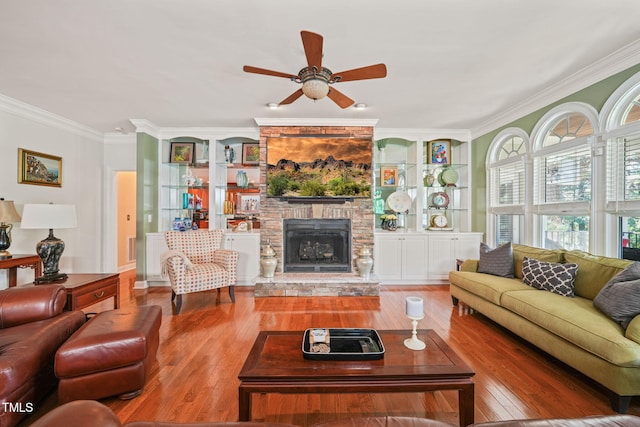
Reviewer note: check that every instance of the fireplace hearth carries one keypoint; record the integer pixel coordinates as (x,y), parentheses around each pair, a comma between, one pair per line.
(317,245)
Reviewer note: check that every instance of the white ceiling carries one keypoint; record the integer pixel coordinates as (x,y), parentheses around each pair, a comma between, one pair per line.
(452,64)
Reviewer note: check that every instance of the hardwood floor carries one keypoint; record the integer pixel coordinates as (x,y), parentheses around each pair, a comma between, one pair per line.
(202,350)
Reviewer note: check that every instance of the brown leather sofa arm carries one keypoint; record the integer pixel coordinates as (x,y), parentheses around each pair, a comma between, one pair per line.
(594,421)
(22,305)
(79,413)
(82,413)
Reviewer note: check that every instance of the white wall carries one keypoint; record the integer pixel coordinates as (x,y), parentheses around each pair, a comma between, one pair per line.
(119,156)
(81,149)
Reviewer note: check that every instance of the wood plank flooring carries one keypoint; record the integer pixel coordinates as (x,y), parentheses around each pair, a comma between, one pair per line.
(202,350)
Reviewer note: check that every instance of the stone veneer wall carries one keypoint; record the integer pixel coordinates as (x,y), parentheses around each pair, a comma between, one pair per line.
(273,211)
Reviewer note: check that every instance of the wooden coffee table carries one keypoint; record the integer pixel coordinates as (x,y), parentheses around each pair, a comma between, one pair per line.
(276,365)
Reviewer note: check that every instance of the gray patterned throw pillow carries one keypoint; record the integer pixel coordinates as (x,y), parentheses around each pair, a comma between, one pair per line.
(549,276)
(620,297)
(498,261)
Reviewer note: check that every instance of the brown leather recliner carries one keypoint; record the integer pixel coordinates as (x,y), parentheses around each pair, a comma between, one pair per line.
(82,413)
(33,326)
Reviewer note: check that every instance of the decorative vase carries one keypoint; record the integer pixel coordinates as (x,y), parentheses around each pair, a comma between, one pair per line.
(268,261)
(392,224)
(187,223)
(383,224)
(364,262)
(241,179)
(429,180)
(177,223)
(227,154)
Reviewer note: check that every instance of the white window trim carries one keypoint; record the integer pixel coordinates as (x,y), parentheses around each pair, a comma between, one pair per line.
(492,162)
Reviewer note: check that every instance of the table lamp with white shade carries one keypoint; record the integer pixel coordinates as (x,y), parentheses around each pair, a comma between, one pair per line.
(49,216)
(8,214)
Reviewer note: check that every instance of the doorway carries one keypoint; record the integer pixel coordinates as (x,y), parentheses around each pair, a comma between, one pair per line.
(126,209)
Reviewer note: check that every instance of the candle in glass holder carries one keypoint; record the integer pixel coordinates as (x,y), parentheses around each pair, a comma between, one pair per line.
(415,307)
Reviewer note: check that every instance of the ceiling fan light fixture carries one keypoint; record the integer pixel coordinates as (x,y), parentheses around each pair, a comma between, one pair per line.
(315,89)
(273,105)
(315,83)
(360,106)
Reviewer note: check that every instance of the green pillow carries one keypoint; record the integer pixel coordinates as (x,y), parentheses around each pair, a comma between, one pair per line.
(594,272)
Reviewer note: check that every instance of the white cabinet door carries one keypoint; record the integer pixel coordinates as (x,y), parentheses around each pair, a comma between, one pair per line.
(445,248)
(441,255)
(414,259)
(387,258)
(400,258)
(248,246)
(468,246)
(156,246)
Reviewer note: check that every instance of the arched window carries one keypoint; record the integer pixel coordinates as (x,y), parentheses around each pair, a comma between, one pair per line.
(562,175)
(506,184)
(621,117)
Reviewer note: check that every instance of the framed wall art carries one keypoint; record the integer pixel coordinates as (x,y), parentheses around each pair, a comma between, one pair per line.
(39,168)
(182,152)
(388,176)
(439,152)
(250,153)
(248,203)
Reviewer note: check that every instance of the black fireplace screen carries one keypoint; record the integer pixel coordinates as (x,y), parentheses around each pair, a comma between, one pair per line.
(313,245)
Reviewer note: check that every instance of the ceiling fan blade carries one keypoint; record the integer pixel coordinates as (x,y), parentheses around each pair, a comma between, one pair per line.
(312,43)
(295,95)
(256,70)
(340,98)
(371,72)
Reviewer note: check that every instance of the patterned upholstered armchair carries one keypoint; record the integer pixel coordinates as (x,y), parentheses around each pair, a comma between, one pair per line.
(195,262)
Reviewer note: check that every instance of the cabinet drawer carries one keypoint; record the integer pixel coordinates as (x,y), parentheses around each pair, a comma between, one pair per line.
(87,298)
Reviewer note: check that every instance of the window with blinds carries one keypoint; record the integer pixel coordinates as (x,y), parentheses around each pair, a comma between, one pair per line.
(507,188)
(623,177)
(564,176)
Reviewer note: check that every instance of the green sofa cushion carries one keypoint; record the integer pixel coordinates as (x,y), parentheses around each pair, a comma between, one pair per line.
(486,286)
(577,321)
(521,251)
(593,271)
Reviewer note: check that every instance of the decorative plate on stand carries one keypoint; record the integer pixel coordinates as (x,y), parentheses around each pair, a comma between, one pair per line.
(439,200)
(399,201)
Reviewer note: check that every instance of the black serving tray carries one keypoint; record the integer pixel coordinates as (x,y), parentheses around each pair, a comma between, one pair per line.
(347,344)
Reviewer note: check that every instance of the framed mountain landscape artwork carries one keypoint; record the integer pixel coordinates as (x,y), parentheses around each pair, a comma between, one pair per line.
(39,168)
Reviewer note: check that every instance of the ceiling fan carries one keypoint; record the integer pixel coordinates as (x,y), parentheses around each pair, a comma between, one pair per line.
(315,78)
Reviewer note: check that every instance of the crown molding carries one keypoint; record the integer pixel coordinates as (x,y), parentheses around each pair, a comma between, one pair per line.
(217,133)
(618,61)
(29,112)
(145,126)
(266,121)
(422,134)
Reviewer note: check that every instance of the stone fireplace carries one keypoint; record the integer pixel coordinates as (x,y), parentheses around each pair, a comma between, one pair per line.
(357,212)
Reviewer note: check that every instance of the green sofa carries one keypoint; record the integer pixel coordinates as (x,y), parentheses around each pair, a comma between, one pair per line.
(569,328)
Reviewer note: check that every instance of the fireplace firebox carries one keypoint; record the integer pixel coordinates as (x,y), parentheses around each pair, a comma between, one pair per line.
(316,245)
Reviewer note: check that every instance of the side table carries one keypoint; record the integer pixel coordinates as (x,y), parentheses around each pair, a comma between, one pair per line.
(84,290)
(21,261)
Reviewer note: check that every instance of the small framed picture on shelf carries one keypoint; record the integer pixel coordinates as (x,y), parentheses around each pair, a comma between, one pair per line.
(439,152)
(248,203)
(388,176)
(182,152)
(250,153)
